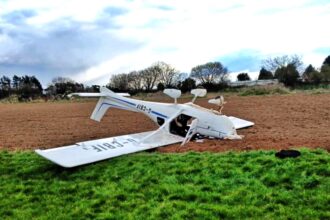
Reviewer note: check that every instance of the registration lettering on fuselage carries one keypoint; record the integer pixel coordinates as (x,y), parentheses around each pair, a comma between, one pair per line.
(143,108)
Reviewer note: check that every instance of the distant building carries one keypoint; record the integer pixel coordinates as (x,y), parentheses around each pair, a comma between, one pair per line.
(253,83)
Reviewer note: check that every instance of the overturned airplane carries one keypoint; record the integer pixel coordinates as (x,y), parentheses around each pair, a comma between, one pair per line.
(178,123)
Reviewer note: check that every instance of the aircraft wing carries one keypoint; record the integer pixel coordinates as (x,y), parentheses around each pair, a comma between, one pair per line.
(102,149)
(240,123)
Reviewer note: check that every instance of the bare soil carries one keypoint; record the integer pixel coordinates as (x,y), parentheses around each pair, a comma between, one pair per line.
(281,122)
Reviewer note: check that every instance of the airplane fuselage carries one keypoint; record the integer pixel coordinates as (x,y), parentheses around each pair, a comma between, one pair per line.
(209,123)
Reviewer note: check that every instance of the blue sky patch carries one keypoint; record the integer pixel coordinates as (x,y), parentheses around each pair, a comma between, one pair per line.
(242,60)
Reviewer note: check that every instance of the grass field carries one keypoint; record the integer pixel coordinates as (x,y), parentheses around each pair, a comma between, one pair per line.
(252,185)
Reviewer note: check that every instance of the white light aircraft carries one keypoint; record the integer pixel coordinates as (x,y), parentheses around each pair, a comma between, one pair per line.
(178,123)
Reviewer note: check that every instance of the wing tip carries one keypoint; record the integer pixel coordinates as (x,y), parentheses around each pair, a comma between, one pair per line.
(43,153)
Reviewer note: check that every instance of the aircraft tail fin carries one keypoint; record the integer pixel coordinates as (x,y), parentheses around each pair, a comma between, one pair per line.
(109,99)
(100,109)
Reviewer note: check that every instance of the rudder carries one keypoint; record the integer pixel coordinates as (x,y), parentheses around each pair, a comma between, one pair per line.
(100,109)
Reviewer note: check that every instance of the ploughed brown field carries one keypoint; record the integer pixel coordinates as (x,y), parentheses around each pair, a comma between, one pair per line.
(281,122)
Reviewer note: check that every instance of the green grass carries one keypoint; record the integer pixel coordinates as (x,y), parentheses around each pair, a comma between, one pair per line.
(248,185)
(314,87)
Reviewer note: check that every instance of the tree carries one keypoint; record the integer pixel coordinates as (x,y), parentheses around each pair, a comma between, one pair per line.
(160,87)
(187,85)
(265,74)
(16,83)
(210,73)
(325,72)
(61,79)
(93,88)
(180,77)
(150,77)
(36,84)
(243,77)
(5,87)
(5,83)
(63,86)
(309,69)
(327,61)
(168,74)
(119,82)
(315,77)
(308,73)
(275,63)
(135,81)
(27,87)
(287,74)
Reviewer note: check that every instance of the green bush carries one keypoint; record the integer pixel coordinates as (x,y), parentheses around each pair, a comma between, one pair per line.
(264,90)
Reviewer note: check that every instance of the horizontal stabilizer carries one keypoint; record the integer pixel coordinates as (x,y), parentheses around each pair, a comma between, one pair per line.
(102,149)
(93,94)
(240,123)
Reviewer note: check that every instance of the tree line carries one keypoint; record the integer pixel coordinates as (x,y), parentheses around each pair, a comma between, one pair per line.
(60,87)
(212,75)
(289,70)
(161,75)
(27,88)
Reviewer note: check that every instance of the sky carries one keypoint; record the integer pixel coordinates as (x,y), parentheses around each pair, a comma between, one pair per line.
(89,41)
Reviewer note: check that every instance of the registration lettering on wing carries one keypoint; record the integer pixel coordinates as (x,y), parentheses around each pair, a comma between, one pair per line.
(109,145)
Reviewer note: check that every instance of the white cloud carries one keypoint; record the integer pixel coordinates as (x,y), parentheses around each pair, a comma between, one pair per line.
(188,33)
(49,10)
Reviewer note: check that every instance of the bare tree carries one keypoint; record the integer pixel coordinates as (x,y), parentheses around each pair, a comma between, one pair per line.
(179,78)
(119,81)
(210,73)
(273,63)
(135,81)
(61,86)
(151,77)
(167,74)
(61,79)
